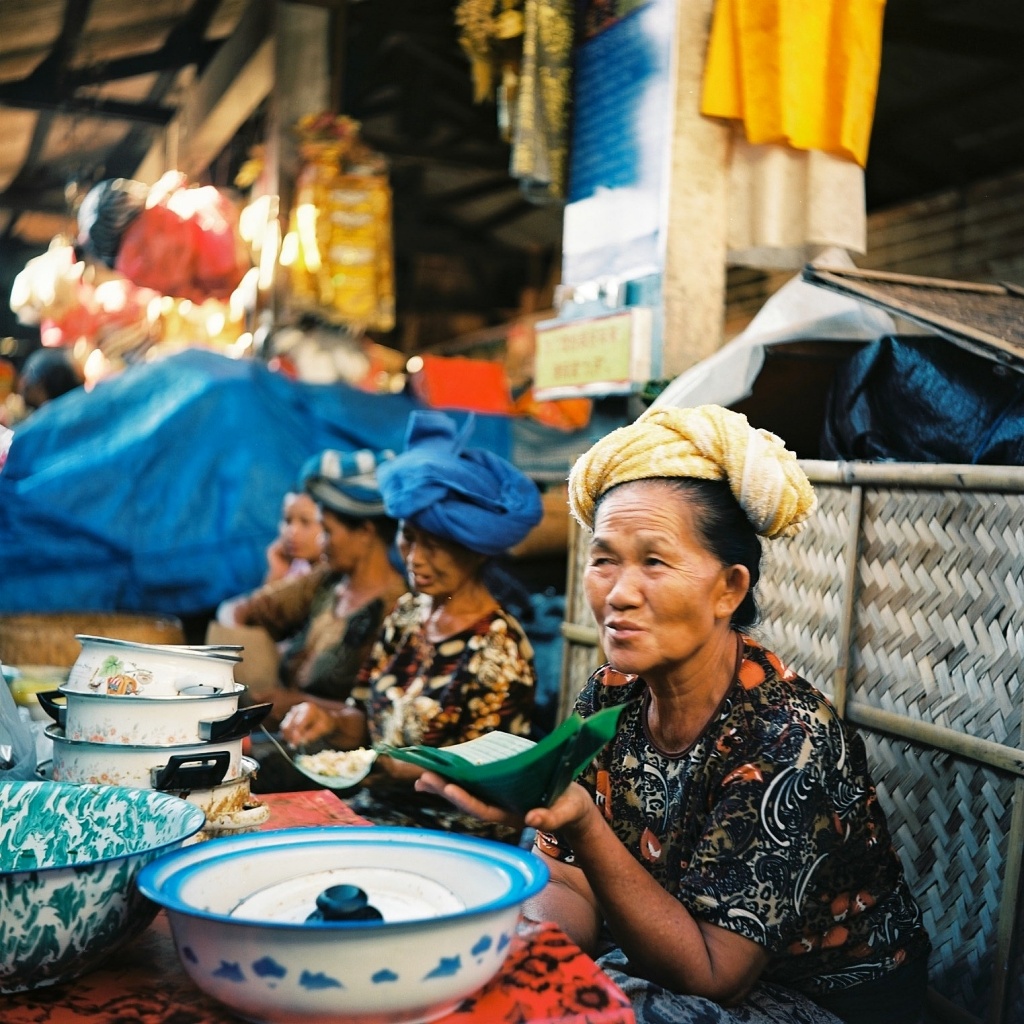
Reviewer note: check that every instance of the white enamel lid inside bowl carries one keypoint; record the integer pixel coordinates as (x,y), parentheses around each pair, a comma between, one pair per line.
(398,894)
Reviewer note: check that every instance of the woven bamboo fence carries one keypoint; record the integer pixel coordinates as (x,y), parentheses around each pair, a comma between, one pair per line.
(903,600)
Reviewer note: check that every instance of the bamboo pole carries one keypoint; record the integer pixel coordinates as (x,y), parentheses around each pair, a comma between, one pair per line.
(572,591)
(913,279)
(840,677)
(947,476)
(585,636)
(1008,905)
(996,755)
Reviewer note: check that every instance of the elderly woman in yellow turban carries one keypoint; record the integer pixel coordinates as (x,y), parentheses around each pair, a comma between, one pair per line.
(725,855)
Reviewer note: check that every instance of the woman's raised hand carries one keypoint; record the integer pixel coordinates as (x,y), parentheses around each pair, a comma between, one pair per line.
(278,561)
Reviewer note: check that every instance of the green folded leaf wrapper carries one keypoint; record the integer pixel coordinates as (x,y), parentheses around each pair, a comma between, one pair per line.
(513,772)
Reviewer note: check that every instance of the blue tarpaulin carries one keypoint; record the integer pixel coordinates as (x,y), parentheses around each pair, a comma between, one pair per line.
(159,490)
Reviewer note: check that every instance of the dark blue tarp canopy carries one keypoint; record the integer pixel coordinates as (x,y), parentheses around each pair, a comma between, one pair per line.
(159,490)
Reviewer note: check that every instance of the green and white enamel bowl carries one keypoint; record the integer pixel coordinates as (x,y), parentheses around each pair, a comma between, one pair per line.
(69,855)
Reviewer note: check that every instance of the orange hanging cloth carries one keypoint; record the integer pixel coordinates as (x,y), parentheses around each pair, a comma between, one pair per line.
(803,73)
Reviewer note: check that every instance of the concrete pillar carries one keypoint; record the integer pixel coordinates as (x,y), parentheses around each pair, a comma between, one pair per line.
(302,85)
(695,261)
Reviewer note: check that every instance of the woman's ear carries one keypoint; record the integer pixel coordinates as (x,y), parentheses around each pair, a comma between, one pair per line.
(735,584)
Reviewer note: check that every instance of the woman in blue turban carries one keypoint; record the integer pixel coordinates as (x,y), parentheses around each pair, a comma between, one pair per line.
(450,663)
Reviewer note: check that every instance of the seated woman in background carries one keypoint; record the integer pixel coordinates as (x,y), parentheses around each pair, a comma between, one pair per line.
(299,544)
(450,663)
(295,551)
(725,855)
(335,612)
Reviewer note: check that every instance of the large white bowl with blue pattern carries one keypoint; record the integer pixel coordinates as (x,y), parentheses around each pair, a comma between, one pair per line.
(68,860)
(238,909)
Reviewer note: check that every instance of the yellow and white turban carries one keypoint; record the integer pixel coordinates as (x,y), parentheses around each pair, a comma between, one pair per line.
(705,443)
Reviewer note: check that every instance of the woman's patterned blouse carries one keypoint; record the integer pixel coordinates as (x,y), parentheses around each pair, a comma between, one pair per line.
(768,825)
(466,685)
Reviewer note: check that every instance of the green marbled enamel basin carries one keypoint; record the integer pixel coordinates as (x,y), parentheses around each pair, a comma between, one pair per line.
(69,855)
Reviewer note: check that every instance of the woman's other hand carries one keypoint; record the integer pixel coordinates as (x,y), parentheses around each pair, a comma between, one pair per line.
(400,771)
(431,782)
(571,811)
(306,723)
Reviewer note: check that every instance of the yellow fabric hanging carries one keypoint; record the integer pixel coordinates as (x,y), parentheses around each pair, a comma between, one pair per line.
(799,72)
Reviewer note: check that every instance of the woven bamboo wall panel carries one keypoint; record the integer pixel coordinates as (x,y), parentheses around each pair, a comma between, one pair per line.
(950,819)
(934,635)
(940,609)
(801,591)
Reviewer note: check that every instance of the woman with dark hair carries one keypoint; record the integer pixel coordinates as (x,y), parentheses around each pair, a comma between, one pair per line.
(47,374)
(725,855)
(332,614)
(450,663)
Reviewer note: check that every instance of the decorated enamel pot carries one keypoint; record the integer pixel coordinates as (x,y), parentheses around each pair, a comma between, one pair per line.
(123,668)
(152,721)
(173,769)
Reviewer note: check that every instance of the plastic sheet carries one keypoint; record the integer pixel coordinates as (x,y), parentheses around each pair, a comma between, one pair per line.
(160,489)
(923,399)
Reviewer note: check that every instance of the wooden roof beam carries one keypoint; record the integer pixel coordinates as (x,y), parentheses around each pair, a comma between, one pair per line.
(164,59)
(17,96)
(185,44)
(234,84)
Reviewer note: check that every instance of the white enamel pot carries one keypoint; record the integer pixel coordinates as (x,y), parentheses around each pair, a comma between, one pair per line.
(229,806)
(153,721)
(228,802)
(173,769)
(123,668)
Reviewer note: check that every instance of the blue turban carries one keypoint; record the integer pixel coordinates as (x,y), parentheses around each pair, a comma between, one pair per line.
(346,482)
(467,495)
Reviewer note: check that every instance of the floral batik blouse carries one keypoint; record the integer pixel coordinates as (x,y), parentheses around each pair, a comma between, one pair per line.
(438,694)
(768,825)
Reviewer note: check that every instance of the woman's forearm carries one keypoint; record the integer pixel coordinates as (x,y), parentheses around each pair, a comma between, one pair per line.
(571,911)
(662,939)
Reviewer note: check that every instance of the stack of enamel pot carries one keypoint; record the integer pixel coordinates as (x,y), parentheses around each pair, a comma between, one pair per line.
(158,716)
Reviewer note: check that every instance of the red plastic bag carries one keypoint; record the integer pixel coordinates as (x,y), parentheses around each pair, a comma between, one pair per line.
(158,251)
(186,243)
(220,256)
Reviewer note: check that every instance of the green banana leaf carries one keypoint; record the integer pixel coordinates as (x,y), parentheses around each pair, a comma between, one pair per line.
(515,773)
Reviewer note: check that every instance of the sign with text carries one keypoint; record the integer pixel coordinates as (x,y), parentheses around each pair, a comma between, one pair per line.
(604,355)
